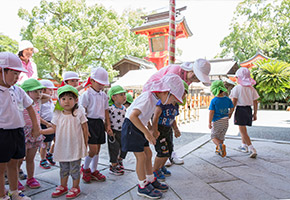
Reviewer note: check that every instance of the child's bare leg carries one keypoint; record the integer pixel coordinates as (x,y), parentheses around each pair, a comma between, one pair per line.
(51,150)
(43,151)
(63,181)
(148,161)
(3,167)
(76,183)
(140,165)
(94,149)
(30,154)
(12,173)
(159,162)
(244,134)
(217,141)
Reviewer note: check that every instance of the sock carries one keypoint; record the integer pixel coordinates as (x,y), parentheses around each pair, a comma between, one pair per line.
(150,178)
(142,184)
(251,147)
(88,160)
(94,163)
(244,145)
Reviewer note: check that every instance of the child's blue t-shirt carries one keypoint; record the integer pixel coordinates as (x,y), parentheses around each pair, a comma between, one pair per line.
(221,106)
(169,112)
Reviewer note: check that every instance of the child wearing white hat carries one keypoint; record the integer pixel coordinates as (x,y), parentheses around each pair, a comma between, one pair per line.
(95,102)
(46,113)
(244,96)
(13,100)
(25,52)
(135,137)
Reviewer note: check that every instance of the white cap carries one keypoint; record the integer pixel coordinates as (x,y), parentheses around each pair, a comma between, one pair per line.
(11,61)
(47,84)
(169,83)
(25,44)
(100,75)
(70,75)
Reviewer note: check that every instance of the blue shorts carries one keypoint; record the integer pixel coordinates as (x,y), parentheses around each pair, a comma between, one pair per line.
(132,138)
(12,144)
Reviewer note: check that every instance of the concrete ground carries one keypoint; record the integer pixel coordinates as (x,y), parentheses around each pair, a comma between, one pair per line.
(204,175)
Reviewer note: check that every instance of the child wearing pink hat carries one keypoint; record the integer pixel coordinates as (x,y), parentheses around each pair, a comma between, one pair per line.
(244,96)
(95,102)
(13,100)
(135,137)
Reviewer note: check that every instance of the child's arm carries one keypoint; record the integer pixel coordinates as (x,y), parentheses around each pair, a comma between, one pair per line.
(35,126)
(235,101)
(108,123)
(45,98)
(86,132)
(46,123)
(49,130)
(211,114)
(156,116)
(231,112)
(255,110)
(137,122)
(176,129)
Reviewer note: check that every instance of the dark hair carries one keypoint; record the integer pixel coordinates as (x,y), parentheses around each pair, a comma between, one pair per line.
(20,53)
(70,94)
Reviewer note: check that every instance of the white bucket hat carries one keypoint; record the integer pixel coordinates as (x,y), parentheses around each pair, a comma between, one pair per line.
(47,84)
(70,75)
(201,68)
(170,83)
(100,75)
(11,61)
(25,44)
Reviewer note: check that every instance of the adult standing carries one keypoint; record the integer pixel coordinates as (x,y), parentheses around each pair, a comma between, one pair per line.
(25,52)
(189,72)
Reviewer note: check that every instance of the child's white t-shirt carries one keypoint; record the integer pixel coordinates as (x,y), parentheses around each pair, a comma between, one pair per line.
(245,95)
(13,101)
(69,138)
(146,103)
(95,103)
(46,110)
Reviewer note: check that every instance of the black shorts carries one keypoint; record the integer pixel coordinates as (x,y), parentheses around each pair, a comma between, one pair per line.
(48,138)
(164,146)
(132,138)
(12,144)
(243,116)
(97,131)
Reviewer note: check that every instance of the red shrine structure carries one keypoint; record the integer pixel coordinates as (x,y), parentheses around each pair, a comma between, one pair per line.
(250,62)
(156,28)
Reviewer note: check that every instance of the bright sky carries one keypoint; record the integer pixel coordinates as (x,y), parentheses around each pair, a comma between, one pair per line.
(208,20)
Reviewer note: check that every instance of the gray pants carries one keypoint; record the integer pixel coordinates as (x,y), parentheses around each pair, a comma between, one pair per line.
(114,147)
(70,168)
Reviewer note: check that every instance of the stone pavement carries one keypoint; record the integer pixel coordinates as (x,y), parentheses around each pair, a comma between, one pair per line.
(204,175)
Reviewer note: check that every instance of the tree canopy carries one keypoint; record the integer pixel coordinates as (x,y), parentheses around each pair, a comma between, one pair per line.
(259,25)
(73,36)
(7,44)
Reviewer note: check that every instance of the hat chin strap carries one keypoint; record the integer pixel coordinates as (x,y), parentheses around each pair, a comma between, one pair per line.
(3,76)
(167,98)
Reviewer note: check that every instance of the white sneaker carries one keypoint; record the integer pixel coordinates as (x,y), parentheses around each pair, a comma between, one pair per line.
(19,196)
(253,153)
(243,149)
(176,160)
(5,198)
(168,163)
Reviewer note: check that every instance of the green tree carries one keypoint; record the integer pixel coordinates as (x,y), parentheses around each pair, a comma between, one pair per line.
(272,77)
(259,25)
(8,44)
(73,36)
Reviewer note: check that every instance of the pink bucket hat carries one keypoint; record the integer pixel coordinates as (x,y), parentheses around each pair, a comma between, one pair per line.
(201,68)
(100,75)
(11,61)
(244,77)
(169,83)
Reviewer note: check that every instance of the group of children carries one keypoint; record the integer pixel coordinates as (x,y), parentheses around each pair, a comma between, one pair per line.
(77,123)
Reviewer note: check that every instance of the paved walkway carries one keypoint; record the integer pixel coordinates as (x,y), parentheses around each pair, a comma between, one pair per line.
(203,176)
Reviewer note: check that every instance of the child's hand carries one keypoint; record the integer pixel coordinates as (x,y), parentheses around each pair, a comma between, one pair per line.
(230,115)
(155,133)
(177,133)
(254,117)
(48,125)
(35,132)
(210,125)
(151,139)
(109,131)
